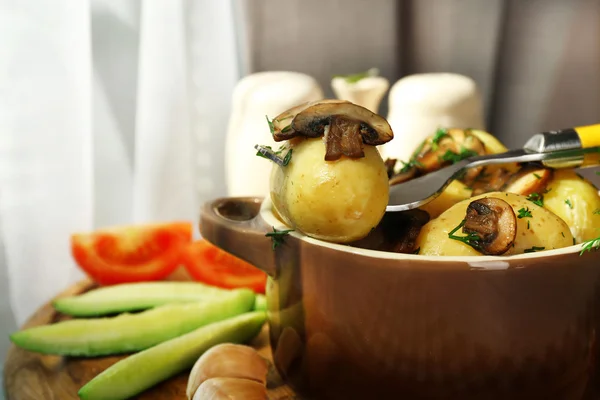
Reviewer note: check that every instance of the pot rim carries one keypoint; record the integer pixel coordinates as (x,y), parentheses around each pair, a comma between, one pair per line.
(476,262)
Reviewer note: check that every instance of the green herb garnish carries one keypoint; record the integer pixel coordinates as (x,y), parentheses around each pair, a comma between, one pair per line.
(286,129)
(353,78)
(407,166)
(258,153)
(471,239)
(534,249)
(597,172)
(439,135)
(596,211)
(271,127)
(417,250)
(568,202)
(537,176)
(524,213)
(287,158)
(528,224)
(590,245)
(536,198)
(453,157)
(563,234)
(574,241)
(277,237)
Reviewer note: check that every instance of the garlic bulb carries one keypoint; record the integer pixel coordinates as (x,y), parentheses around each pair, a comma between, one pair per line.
(227,361)
(230,389)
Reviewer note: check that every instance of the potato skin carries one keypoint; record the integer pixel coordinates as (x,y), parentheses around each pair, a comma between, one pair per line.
(338,201)
(491,143)
(456,191)
(545,229)
(584,199)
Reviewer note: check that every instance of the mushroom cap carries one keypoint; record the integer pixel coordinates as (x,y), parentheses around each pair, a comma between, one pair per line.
(310,120)
(494,222)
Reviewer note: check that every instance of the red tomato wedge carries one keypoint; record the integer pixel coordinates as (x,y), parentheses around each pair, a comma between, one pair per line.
(211,265)
(131,253)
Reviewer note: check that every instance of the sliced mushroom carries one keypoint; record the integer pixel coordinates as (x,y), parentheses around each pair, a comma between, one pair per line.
(403,176)
(346,126)
(390,164)
(448,147)
(490,180)
(282,124)
(530,179)
(342,137)
(493,222)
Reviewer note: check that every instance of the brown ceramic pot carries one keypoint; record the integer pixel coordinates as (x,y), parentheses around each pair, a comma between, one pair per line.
(350,323)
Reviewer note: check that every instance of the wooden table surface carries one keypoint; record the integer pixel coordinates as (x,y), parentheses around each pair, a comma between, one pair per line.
(34,376)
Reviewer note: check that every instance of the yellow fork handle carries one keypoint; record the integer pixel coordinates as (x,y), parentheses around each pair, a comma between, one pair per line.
(583,137)
(589,135)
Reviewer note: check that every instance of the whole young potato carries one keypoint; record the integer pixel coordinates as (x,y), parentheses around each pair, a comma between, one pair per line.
(574,199)
(542,230)
(338,201)
(454,192)
(491,143)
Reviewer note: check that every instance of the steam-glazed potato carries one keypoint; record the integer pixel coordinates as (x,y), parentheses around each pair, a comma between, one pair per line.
(338,201)
(491,143)
(455,192)
(574,199)
(532,227)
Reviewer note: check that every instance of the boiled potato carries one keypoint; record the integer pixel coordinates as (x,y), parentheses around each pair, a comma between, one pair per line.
(494,146)
(491,143)
(455,192)
(338,201)
(574,199)
(545,229)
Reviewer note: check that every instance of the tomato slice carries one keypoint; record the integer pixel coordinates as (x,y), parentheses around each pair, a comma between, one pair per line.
(131,253)
(211,265)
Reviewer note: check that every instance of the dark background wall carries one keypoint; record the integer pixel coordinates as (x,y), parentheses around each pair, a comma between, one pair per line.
(537,62)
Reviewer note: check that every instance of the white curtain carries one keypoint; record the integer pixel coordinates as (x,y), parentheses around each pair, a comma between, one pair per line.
(111,112)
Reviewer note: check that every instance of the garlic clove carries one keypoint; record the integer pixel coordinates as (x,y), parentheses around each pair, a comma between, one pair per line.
(230,361)
(224,388)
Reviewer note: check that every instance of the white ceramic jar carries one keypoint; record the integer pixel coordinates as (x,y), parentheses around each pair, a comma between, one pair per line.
(420,104)
(255,97)
(367,92)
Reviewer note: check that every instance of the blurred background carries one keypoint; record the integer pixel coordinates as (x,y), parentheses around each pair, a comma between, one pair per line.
(119,111)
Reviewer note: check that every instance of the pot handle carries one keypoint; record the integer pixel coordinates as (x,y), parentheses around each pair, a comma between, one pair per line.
(234,225)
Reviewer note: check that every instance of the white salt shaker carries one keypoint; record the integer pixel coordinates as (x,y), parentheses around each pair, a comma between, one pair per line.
(419,104)
(255,97)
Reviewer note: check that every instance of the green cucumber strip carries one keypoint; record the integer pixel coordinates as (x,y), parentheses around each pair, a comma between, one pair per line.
(134,297)
(260,303)
(141,371)
(127,333)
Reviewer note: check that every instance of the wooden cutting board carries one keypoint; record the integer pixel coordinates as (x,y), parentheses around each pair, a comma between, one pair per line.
(33,376)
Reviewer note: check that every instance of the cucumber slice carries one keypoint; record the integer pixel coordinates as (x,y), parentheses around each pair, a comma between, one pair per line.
(131,332)
(143,370)
(260,304)
(134,297)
